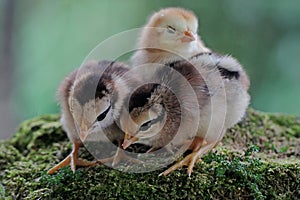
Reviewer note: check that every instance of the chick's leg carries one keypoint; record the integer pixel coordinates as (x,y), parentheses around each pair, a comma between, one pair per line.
(199,147)
(72,160)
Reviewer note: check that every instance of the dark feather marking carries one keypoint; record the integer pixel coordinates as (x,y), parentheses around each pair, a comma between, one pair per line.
(89,90)
(140,97)
(228,74)
(95,85)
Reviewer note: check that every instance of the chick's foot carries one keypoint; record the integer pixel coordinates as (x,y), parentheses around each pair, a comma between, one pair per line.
(193,157)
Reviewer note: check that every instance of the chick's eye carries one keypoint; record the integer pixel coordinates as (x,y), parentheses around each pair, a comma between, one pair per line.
(145,126)
(103,115)
(171,29)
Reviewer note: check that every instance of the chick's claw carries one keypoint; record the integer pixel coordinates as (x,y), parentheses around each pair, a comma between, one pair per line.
(68,161)
(192,158)
(189,161)
(72,160)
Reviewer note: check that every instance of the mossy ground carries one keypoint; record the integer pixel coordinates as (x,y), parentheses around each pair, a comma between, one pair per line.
(258,159)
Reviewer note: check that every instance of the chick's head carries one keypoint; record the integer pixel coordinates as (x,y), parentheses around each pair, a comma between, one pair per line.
(147,116)
(95,98)
(171,28)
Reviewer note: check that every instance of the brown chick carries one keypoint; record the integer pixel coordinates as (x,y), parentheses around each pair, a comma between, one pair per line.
(228,103)
(223,102)
(156,109)
(91,98)
(169,34)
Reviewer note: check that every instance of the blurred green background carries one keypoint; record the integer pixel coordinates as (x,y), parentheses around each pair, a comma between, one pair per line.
(43,40)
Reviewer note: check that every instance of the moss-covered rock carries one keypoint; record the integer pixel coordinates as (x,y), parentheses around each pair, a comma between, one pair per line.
(258,159)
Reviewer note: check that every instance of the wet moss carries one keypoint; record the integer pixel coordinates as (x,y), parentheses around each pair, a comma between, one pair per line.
(258,159)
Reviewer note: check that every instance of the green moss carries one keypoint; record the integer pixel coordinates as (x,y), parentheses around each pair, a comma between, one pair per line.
(32,133)
(258,159)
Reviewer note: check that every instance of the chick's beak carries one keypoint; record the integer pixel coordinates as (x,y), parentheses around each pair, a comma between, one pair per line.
(188,36)
(128,140)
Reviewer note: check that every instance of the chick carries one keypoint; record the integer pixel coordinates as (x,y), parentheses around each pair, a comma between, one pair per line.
(169,34)
(227,106)
(156,109)
(91,98)
(222,100)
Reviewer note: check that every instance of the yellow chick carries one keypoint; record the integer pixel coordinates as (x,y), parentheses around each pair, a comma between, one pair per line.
(169,34)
